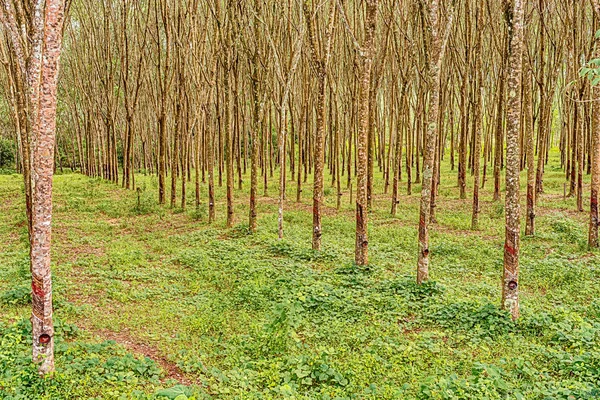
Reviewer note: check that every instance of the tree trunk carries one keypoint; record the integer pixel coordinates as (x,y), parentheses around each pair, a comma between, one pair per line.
(499,129)
(210,150)
(595,150)
(319,161)
(477,115)
(529,133)
(434,67)
(39,75)
(255,148)
(510,299)
(228,146)
(462,144)
(362,242)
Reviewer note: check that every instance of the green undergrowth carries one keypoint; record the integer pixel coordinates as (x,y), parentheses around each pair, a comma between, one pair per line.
(84,370)
(248,316)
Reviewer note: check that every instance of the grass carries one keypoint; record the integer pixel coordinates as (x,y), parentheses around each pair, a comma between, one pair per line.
(155,303)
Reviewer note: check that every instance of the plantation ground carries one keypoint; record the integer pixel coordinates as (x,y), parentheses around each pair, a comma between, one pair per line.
(148,298)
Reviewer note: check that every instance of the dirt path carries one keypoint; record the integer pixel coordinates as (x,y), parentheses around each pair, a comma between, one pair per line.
(134,345)
(172,371)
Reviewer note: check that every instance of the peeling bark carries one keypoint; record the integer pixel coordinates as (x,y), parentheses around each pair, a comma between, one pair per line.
(510,290)
(42,61)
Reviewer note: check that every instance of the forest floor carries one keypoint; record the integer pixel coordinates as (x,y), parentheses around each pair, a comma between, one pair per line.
(152,301)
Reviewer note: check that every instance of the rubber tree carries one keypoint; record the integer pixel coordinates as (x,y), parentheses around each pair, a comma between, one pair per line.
(36,47)
(510,282)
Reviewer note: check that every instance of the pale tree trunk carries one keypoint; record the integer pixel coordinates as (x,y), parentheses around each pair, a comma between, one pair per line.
(162,158)
(175,154)
(436,166)
(371,133)
(164,76)
(266,154)
(436,57)
(41,77)
(185,160)
(198,167)
(580,139)
(319,161)
(301,160)
(255,146)
(478,93)
(131,90)
(281,151)
(256,123)
(398,152)
(210,133)
(321,64)
(409,158)
(338,165)
(499,129)
(464,109)
(362,242)
(510,299)
(595,152)
(529,133)
(286,82)
(228,150)
(210,165)
(543,90)
(462,144)
(43,148)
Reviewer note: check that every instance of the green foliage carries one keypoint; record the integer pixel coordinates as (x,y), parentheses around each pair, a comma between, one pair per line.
(177,392)
(200,213)
(283,248)
(7,154)
(280,333)
(145,202)
(81,368)
(497,211)
(304,372)
(20,295)
(484,319)
(239,231)
(248,316)
(485,382)
(591,71)
(415,293)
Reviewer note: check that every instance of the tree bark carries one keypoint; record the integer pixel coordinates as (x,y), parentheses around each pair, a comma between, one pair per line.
(255,146)
(320,64)
(510,297)
(434,67)
(595,151)
(38,65)
(477,131)
(529,133)
(362,241)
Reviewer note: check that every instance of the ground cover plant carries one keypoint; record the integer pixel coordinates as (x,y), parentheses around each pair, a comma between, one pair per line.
(150,298)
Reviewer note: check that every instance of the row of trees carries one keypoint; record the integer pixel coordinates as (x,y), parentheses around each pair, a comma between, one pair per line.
(301,87)
(245,85)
